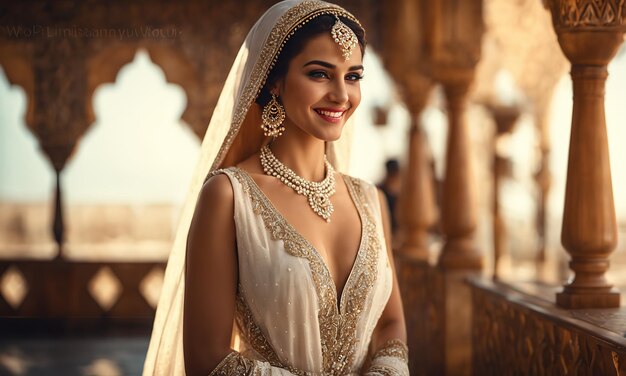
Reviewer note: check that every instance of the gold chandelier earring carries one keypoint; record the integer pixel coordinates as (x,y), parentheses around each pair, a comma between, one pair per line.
(273,117)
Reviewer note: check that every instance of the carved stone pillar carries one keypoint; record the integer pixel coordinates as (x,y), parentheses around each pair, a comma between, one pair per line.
(416,210)
(60,109)
(402,53)
(543,180)
(458,203)
(505,118)
(590,33)
(454,41)
(416,214)
(403,56)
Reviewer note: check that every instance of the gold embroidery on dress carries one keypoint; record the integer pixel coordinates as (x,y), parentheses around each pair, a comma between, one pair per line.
(292,20)
(380,370)
(236,364)
(251,333)
(253,336)
(338,327)
(394,348)
(296,245)
(360,284)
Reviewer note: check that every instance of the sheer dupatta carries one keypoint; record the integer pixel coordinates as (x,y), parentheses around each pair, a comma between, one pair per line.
(234,133)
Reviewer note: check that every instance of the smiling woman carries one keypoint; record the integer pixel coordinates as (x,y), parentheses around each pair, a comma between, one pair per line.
(275,239)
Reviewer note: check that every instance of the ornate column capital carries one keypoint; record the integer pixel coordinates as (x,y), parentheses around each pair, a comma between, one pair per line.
(578,15)
(454,39)
(589,31)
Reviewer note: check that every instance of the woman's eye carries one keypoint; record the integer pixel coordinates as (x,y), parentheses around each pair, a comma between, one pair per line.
(318,74)
(354,77)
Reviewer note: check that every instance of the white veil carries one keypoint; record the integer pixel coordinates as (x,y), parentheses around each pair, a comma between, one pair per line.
(233,134)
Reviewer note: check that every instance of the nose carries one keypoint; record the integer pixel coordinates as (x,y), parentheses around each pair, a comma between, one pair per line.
(338,92)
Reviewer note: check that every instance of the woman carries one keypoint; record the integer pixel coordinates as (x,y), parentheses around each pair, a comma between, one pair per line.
(293,252)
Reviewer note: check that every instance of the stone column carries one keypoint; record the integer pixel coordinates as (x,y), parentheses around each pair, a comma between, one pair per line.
(454,41)
(543,180)
(60,110)
(505,118)
(403,56)
(458,202)
(416,209)
(454,38)
(416,214)
(589,33)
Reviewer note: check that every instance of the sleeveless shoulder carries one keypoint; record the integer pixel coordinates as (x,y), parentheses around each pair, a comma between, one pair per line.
(229,171)
(225,186)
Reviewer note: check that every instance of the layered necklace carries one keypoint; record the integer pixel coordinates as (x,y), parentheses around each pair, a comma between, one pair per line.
(317,193)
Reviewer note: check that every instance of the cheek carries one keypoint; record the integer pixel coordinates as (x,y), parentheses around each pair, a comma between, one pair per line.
(355,96)
(300,93)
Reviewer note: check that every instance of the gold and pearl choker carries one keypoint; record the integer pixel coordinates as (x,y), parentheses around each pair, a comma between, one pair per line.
(317,193)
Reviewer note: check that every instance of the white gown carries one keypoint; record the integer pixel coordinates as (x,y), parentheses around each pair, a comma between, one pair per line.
(287,308)
(287,305)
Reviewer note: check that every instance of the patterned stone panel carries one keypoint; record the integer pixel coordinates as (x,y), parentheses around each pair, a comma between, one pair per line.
(516,334)
(66,289)
(413,281)
(436,306)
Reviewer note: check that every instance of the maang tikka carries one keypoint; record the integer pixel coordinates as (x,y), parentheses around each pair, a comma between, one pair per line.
(273,117)
(344,37)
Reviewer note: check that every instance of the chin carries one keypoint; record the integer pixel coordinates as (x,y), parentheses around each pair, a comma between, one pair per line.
(330,134)
(334,137)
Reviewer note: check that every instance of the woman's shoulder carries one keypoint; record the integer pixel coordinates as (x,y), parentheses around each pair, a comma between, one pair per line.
(217,188)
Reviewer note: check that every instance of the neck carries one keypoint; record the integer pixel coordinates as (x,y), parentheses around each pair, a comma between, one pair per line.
(303,155)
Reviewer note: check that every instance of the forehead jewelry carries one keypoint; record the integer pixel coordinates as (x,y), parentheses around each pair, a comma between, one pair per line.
(344,37)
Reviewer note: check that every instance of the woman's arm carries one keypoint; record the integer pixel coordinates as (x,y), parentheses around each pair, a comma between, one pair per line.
(211,287)
(210,278)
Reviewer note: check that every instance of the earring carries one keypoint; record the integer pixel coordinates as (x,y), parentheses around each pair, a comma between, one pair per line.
(272,118)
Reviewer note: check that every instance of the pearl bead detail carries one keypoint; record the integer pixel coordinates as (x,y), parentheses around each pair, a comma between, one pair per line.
(317,193)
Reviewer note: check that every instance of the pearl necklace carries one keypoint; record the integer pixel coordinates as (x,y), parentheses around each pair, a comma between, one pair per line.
(317,193)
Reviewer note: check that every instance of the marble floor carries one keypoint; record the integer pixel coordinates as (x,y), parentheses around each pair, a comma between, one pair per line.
(94,356)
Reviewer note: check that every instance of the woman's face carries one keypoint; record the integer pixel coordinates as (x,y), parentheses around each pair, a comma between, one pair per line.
(321,89)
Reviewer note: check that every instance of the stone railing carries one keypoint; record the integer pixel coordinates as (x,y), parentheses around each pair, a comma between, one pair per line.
(73,292)
(518,330)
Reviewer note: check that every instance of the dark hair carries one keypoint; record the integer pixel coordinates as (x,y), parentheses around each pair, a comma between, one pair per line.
(319,25)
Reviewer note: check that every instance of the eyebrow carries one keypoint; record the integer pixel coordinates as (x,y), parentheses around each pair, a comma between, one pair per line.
(330,66)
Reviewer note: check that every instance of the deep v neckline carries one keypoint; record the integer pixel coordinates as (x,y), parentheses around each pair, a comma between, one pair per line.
(338,297)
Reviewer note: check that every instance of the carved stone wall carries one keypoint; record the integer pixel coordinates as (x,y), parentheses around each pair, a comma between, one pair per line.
(422,290)
(438,313)
(59,52)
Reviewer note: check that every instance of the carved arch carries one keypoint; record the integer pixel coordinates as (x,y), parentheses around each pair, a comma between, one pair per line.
(17,64)
(180,70)
(104,66)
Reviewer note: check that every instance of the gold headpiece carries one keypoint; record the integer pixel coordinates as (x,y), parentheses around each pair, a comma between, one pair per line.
(344,37)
